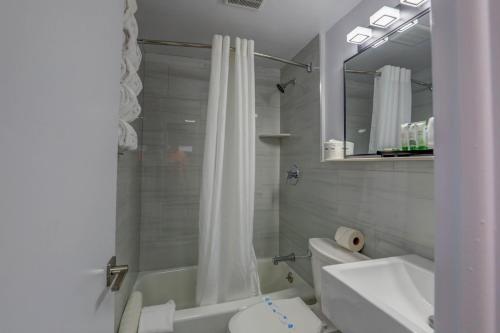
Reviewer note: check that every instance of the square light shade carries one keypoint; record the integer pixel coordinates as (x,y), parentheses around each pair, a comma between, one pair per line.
(413,3)
(359,35)
(385,17)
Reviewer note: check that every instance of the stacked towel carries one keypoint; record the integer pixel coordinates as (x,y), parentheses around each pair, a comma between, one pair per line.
(127,137)
(131,7)
(130,108)
(130,82)
(130,78)
(133,53)
(157,318)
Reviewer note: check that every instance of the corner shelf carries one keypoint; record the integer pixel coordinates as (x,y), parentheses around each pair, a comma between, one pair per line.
(275,136)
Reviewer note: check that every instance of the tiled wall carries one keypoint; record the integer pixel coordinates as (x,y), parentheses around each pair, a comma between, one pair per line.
(128,215)
(390,202)
(175,102)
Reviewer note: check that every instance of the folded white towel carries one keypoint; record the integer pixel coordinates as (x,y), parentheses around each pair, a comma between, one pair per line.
(133,53)
(127,136)
(130,78)
(131,7)
(123,70)
(157,318)
(130,108)
(131,28)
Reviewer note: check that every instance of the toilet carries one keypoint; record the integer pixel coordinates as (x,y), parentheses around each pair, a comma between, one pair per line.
(293,315)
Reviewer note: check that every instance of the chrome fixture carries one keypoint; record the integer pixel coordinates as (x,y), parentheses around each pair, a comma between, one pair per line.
(290,257)
(293,175)
(289,277)
(282,86)
(307,67)
(115,274)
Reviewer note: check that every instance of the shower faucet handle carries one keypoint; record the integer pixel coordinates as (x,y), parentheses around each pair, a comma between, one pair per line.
(293,175)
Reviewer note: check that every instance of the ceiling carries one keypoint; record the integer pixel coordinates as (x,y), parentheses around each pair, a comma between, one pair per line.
(280,27)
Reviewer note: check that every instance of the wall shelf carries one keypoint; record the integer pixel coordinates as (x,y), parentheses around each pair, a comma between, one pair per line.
(383,159)
(275,136)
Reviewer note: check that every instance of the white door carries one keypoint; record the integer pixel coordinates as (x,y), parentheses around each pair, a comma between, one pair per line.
(59,95)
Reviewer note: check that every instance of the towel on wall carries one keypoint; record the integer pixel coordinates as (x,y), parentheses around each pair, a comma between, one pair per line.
(130,28)
(127,136)
(130,77)
(157,318)
(133,53)
(130,108)
(130,7)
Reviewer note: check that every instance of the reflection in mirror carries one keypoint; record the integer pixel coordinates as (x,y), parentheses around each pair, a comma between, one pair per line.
(388,94)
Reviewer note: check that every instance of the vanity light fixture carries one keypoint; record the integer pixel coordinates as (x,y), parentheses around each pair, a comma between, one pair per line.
(408,25)
(385,17)
(380,42)
(413,3)
(359,35)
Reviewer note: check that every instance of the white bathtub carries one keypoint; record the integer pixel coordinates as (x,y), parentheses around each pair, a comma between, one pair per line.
(179,284)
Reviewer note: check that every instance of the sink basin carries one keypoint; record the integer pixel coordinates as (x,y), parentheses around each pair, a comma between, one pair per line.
(390,295)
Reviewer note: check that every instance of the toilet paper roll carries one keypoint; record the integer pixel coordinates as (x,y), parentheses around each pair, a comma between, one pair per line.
(350,239)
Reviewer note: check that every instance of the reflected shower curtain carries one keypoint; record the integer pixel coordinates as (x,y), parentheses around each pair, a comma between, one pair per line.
(227,266)
(391,107)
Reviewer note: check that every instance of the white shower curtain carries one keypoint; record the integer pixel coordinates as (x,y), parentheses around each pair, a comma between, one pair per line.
(391,107)
(227,266)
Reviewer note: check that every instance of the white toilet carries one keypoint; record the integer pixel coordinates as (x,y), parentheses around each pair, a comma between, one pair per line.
(293,315)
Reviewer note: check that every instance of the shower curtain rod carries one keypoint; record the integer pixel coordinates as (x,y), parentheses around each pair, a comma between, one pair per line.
(307,67)
(420,83)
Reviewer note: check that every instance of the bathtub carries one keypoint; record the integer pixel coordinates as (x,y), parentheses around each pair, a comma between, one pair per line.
(179,284)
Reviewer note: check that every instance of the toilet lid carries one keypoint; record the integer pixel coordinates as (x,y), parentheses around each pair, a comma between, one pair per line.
(287,315)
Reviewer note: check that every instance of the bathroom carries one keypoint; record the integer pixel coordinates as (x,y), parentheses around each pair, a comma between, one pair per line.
(250,166)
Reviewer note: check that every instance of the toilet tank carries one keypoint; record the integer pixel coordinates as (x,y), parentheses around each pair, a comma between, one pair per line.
(326,252)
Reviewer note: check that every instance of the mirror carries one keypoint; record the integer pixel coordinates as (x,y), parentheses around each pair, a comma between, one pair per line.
(388,95)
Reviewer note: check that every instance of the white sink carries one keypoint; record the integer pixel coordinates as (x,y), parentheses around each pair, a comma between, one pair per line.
(390,295)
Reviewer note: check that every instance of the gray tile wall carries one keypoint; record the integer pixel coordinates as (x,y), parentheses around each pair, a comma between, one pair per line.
(176,90)
(128,215)
(390,202)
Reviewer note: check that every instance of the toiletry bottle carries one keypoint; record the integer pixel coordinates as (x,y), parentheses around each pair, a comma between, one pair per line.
(430,133)
(405,137)
(421,135)
(413,136)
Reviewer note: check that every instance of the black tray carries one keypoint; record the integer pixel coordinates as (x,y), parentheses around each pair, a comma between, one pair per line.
(405,153)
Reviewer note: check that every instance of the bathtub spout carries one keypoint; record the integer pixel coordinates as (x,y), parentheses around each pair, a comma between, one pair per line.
(291,257)
(278,259)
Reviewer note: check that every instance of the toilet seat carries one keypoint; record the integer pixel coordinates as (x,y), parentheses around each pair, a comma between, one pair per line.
(287,315)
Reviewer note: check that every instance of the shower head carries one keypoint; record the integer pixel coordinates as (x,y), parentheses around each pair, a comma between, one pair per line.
(282,86)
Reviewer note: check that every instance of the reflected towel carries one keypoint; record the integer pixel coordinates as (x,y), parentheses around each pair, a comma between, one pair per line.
(127,136)
(157,318)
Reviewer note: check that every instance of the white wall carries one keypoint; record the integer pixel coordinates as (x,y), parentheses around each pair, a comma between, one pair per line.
(59,94)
